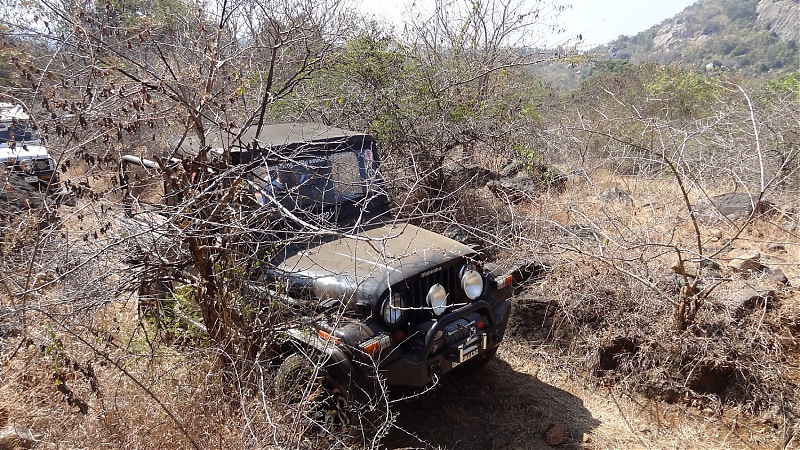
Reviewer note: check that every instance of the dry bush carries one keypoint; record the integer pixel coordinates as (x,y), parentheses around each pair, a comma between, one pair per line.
(608,307)
(81,365)
(102,378)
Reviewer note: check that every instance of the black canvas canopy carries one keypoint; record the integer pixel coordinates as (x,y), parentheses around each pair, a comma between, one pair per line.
(276,137)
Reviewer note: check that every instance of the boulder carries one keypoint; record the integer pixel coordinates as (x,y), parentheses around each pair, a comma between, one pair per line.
(616,194)
(468,175)
(16,196)
(734,205)
(748,299)
(516,189)
(513,169)
(556,435)
(745,263)
(460,234)
(550,177)
(14,437)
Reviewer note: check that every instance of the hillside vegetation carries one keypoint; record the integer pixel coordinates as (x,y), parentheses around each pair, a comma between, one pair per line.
(751,36)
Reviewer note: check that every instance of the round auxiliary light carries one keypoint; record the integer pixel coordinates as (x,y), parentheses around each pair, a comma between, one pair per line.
(471,282)
(393,309)
(437,299)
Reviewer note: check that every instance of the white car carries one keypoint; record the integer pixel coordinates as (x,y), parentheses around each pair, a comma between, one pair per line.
(22,153)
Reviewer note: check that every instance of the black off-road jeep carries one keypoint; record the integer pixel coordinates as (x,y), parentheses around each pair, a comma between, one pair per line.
(380,294)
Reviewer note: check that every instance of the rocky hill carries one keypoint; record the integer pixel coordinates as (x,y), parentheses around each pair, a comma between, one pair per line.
(781,16)
(753,36)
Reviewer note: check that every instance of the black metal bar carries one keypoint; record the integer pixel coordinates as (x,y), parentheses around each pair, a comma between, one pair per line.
(452,317)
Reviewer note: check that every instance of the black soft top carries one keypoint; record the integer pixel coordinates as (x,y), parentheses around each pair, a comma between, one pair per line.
(278,138)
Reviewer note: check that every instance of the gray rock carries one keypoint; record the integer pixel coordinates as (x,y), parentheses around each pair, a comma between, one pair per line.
(616,194)
(776,247)
(776,276)
(16,196)
(469,175)
(14,437)
(556,435)
(709,264)
(734,205)
(9,323)
(513,169)
(459,234)
(516,189)
(746,262)
(582,231)
(551,177)
(747,299)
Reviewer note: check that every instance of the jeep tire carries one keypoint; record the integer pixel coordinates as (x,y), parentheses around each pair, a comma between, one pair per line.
(299,383)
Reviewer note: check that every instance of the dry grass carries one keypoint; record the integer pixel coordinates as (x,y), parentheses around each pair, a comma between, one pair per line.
(605,311)
(107,384)
(78,366)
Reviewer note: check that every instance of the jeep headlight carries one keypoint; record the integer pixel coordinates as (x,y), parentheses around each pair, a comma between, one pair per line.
(471,282)
(26,166)
(393,309)
(42,164)
(437,299)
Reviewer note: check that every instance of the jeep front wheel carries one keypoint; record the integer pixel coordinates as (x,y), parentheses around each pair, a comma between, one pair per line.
(302,384)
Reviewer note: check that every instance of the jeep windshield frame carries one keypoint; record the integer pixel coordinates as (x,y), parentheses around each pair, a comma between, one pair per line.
(336,181)
(317,179)
(322,174)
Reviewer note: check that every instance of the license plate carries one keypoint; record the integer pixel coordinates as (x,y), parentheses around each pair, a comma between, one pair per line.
(469,354)
(463,357)
(31,179)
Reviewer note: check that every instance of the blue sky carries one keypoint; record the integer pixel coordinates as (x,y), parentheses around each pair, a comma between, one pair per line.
(599,21)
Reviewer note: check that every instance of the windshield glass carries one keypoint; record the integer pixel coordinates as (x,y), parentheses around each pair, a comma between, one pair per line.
(329,179)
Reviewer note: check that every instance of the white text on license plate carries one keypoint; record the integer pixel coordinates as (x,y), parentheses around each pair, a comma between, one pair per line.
(466,356)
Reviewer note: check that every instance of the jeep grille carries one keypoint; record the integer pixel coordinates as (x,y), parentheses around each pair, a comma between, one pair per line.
(419,285)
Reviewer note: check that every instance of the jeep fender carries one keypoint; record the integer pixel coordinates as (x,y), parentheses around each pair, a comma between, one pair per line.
(333,358)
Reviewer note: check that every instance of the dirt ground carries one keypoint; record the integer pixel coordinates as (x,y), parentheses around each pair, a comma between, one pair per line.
(514,400)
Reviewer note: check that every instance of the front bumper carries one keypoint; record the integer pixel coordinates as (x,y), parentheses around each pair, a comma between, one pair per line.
(437,356)
(38,179)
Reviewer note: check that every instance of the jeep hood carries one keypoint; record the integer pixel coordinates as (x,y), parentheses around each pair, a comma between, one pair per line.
(22,152)
(359,269)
